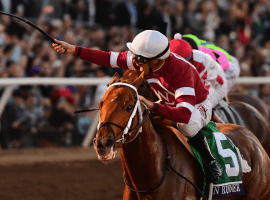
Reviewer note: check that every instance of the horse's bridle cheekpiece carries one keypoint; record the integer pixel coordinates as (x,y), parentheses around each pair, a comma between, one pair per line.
(126,130)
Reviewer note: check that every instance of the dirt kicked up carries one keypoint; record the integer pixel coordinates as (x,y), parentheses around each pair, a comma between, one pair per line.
(58,174)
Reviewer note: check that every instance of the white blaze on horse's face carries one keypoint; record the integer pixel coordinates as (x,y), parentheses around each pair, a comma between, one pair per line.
(114,99)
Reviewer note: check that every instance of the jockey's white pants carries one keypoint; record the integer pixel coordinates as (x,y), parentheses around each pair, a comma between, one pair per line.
(232,73)
(200,117)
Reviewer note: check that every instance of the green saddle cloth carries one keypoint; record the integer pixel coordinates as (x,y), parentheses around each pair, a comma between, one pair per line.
(226,155)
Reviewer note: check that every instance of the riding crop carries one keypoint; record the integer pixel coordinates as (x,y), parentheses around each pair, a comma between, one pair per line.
(31,24)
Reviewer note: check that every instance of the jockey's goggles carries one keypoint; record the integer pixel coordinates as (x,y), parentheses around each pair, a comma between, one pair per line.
(142,60)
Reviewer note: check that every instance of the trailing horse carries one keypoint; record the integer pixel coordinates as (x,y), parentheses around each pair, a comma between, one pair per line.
(257,103)
(250,117)
(150,157)
(255,122)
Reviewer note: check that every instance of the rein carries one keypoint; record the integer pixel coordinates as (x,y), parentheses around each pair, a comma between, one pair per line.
(147,92)
(168,166)
(127,131)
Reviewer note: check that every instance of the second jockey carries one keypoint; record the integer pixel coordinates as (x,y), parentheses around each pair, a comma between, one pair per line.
(173,79)
(210,71)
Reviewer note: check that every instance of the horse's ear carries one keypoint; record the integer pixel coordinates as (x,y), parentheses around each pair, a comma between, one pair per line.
(138,81)
(115,78)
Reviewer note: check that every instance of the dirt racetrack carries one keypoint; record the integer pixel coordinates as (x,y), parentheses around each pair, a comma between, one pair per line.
(58,174)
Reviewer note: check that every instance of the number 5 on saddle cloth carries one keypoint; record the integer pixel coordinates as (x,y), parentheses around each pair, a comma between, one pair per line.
(229,159)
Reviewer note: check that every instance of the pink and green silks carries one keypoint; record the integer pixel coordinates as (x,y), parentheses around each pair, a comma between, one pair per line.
(204,43)
(217,55)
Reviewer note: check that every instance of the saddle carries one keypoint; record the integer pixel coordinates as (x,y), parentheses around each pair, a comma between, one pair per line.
(229,160)
(227,113)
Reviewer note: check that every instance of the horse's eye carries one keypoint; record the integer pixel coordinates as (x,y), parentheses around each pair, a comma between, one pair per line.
(142,84)
(129,108)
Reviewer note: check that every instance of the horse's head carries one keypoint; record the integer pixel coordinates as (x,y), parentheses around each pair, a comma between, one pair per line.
(120,117)
(144,89)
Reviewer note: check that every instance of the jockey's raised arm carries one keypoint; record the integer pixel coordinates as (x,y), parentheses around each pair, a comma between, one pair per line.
(183,81)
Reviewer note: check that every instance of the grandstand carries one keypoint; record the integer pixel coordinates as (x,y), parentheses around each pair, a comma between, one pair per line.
(40,89)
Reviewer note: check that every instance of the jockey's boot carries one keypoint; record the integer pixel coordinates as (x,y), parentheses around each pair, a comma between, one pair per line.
(199,142)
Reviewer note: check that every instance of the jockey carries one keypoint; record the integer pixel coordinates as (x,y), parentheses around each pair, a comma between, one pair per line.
(210,71)
(174,80)
(228,62)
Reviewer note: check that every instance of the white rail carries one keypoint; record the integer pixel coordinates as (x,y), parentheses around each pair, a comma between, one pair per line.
(96,81)
(253,80)
(53,81)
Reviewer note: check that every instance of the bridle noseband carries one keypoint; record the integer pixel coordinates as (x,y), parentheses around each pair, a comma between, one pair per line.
(126,130)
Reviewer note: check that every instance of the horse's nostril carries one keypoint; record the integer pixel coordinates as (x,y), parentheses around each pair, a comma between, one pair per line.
(98,143)
(105,143)
(109,143)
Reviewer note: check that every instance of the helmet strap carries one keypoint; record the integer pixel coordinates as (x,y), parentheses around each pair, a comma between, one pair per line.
(163,52)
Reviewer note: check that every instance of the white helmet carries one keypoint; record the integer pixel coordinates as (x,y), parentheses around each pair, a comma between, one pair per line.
(150,44)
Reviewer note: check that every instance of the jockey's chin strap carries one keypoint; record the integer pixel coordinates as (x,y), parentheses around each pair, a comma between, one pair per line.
(137,106)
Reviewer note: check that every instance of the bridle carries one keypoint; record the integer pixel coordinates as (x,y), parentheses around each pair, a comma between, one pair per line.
(147,92)
(126,130)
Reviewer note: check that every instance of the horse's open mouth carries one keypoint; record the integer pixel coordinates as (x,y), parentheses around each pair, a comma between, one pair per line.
(107,158)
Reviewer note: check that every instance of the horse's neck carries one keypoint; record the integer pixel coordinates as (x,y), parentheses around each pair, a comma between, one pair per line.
(144,159)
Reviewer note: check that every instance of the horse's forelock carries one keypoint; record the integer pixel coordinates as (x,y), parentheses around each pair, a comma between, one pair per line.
(130,75)
(124,80)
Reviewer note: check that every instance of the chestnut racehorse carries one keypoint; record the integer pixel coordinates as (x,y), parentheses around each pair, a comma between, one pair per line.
(144,155)
(256,102)
(251,118)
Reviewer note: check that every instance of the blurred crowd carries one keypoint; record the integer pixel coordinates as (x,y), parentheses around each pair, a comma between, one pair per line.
(38,116)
